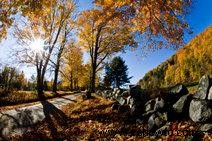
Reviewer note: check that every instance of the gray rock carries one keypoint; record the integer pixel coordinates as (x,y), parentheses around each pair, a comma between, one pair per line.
(136,107)
(117,91)
(161,119)
(128,100)
(210,94)
(159,103)
(157,120)
(199,110)
(163,130)
(181,104)
(206,127)
(151,122)
(149,105)
(121,101)
(203,87)
(175,93)
(131,102)
(154,104)
(179,90)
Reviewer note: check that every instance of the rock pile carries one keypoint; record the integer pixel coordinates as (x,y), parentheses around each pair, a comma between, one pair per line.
(158,111)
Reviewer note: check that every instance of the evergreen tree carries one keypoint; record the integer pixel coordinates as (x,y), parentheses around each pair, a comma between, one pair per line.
(107,79)
(116,72)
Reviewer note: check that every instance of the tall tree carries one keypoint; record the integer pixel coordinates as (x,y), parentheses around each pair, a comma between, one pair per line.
(41,35)
(102,34)
(66,39)
(118,72)
(73,66)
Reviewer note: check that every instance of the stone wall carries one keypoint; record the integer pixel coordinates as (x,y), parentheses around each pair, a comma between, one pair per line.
(176,104)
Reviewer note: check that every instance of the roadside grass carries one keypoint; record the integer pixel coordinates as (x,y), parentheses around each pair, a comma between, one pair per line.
(8,98)
(94,119)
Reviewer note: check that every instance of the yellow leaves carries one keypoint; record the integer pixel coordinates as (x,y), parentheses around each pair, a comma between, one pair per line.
(187,65)
(165,18)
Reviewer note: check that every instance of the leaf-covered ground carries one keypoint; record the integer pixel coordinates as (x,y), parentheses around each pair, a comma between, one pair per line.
(94,120)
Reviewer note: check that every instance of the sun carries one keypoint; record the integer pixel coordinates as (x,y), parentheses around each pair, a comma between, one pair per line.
(37,45)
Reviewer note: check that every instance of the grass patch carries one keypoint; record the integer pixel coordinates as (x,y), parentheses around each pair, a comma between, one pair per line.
(93,119)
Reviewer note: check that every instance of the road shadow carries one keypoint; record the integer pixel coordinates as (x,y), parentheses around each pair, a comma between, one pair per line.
(68,99)
(53,117)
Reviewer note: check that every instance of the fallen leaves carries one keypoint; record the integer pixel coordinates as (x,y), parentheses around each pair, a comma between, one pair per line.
(94,119)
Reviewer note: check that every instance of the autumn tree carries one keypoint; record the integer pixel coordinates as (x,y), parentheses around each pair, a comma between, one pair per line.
(159,22)
(73,66)
(11,78)
(186,66)
(10,8)
(65,39)
(102,34)
(40,36)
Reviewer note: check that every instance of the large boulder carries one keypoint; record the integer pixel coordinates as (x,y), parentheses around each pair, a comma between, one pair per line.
(203,87)
(179,90)
(157,120)
(121,101)
(154,104)
(136,108)
(159,104)
(137,93)
(182,105)
(200,110)
(149,105)
(137,100)
(175,93)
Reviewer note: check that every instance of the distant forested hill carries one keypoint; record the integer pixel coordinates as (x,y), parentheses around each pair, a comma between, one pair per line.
(186,66)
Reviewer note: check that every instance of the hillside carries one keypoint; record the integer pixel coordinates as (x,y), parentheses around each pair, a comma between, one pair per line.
(186,66)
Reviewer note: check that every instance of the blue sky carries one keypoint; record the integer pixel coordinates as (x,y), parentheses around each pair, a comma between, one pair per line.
(199,19)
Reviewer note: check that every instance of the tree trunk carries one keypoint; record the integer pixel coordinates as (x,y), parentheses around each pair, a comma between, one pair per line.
(71,81)
(40,87)
(94,61)
(54,87)
(93,77)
